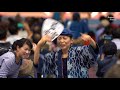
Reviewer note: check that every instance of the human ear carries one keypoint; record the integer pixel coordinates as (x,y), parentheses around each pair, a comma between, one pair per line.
(71,41)
(18,48)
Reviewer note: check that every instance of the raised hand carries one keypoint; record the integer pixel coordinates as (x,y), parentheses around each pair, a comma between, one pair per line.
(44,39)
(27,28)
(41,42)
(85,37)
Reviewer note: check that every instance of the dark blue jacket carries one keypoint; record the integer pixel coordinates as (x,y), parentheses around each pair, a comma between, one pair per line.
(104,65)
(78,27)
(80,59)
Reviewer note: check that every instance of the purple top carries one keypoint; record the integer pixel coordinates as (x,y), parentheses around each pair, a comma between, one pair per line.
(9,68)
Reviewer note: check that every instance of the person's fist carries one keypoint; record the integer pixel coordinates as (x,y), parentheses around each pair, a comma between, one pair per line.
(85,37)
(44,39)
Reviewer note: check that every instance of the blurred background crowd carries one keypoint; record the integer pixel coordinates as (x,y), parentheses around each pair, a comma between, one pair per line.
(103,27)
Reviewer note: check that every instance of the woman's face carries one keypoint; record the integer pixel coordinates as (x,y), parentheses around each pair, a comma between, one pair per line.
(24,51)
(64,42)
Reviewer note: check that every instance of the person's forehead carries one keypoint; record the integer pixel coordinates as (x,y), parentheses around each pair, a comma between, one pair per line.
(26,46)
(63,36)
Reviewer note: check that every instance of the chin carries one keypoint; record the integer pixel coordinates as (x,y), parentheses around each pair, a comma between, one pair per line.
(25,57)
(63,48)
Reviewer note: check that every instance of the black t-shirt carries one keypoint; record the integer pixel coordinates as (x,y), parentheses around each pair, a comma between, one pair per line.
(64,67)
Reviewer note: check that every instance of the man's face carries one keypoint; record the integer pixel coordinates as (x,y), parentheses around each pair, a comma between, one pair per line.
(64,42)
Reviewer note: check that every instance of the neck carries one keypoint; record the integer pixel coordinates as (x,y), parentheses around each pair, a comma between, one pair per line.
(17,60)
(65,53)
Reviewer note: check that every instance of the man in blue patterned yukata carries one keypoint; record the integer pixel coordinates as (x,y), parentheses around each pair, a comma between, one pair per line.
(69,61)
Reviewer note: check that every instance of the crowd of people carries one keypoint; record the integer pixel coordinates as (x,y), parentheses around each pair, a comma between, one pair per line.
(77,52)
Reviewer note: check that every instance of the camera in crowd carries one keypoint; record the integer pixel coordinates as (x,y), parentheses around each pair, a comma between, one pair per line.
(108,37)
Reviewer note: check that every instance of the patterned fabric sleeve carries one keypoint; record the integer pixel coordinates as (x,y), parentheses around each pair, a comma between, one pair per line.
(48,65)
(89,54)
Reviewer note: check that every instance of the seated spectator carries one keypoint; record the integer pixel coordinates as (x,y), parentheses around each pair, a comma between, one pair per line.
(12,60)
(114,71)
(3,37)
(13,29)
(107,58)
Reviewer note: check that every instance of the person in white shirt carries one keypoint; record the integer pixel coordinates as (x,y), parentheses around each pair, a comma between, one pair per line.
(13,30)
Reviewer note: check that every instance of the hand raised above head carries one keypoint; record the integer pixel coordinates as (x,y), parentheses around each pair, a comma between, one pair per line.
(88,38)
(44,39)
(85,37)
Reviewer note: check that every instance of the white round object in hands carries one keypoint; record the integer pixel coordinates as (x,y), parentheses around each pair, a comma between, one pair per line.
(52,27)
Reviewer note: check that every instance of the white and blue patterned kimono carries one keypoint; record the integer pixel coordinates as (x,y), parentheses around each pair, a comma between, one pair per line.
(80,59)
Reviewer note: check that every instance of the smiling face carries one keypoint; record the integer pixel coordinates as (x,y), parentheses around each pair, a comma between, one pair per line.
(24,51)
(64,42)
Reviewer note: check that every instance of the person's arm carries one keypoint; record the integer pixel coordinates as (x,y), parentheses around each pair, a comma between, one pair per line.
(7,66)
(86,37)
(89,52)
(27,28)
(78,41)
(38,47)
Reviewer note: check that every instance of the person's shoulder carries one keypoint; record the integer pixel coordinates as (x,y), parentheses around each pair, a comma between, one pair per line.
(9,53)
(13,38)
(8,57)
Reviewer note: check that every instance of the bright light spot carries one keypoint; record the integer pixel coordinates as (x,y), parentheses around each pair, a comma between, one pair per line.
(48,14)
(67,12)
(67,15)
(93,14)
(104,13)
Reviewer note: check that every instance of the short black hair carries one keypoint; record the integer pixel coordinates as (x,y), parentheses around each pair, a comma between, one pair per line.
(36,37)
(109,48)
(76,16)
(102,18)
(116,33)
(3,34)
(21,42)
(13,29)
